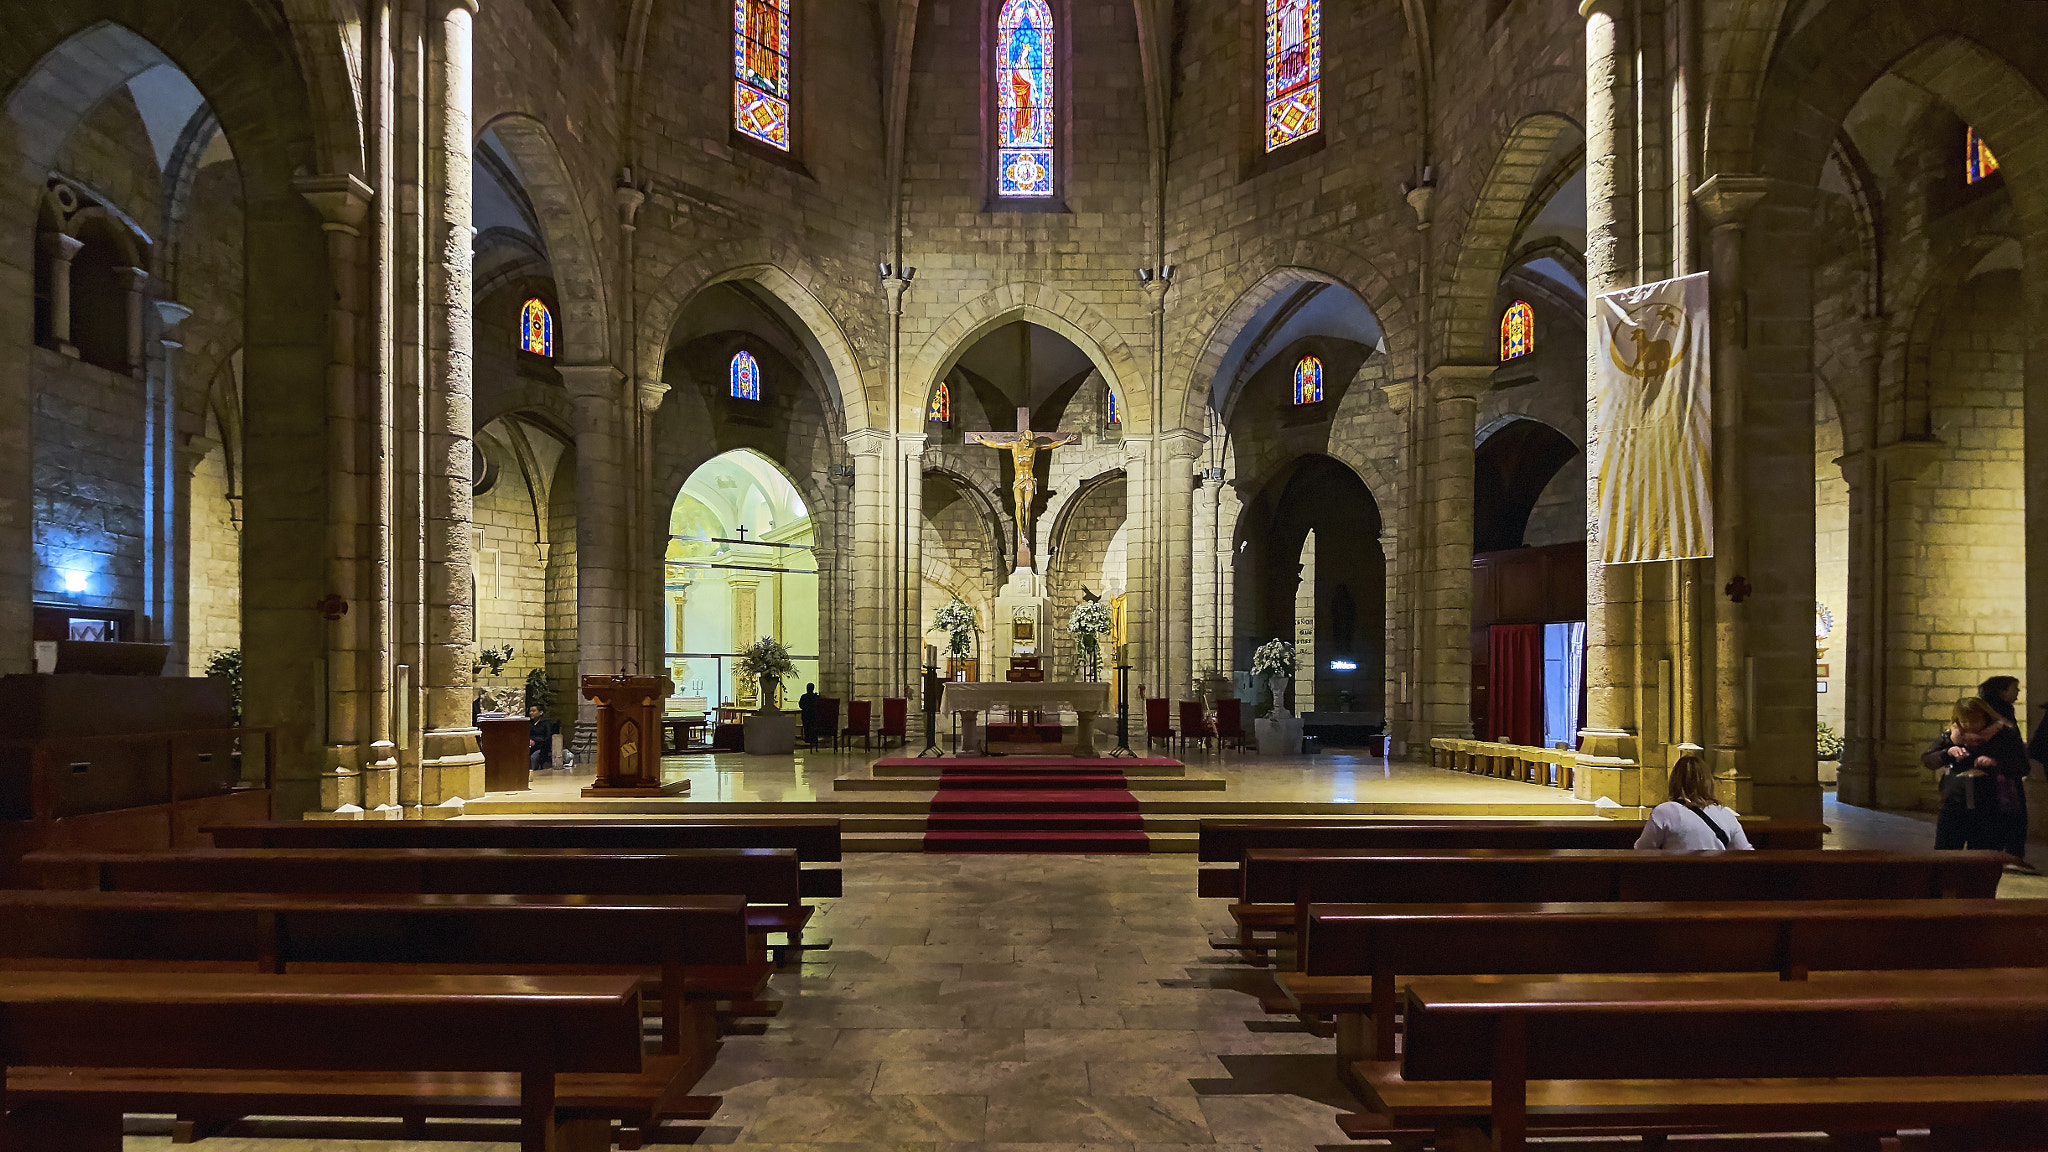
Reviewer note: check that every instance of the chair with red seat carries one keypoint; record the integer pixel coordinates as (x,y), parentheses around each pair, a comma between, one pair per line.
(860,722)
(1230,723)
(825,721)
(1194,724)
(895,720)
(1157,724)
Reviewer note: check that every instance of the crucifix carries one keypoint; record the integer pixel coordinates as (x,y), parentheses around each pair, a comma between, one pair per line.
(1023,446)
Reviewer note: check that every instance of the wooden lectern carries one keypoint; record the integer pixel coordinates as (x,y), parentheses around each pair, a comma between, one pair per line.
(629,736)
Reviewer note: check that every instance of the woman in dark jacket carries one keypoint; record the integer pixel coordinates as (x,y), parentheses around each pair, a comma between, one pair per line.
(1982,764)
(2001,693)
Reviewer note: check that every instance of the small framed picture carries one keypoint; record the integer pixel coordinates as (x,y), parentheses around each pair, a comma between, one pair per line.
(1024,631)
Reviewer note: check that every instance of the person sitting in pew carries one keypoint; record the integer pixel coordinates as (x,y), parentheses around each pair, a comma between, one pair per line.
(540,739)
(1692,820)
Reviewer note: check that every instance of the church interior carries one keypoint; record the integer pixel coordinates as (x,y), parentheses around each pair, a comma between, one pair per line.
(1054,574)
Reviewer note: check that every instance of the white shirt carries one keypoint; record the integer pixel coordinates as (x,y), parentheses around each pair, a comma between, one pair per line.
(1672,828)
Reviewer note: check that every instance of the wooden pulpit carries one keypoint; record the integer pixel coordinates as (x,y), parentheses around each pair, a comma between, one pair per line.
(629,736)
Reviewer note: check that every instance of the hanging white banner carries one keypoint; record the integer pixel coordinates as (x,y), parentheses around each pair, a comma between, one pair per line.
(1651,400)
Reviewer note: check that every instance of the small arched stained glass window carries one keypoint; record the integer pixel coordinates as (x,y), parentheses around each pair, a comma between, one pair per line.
(1294,71)
(760,65)
(1978,162)
(1024,99)
(1116,412)
(940,410)
(537,329)
(1517,331)
(746,377)
(1308,381)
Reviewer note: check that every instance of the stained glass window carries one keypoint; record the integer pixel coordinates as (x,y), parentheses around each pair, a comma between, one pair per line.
(1294,71)
(537,329)
(940,410)
(1116,415)
(1024,99)
(760,66)
(1308,381)
(746,377)
(1978,162)
(1517,331)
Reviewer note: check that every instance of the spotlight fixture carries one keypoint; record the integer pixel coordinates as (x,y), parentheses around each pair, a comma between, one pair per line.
(1166,273)
(1144,275)
(909,274)
(886,269)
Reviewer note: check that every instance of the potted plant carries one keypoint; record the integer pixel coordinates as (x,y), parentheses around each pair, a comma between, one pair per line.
(959,624)
(766,660)
(1827,745)
(226,665)
(494,659)
(1088,621)
(540,690)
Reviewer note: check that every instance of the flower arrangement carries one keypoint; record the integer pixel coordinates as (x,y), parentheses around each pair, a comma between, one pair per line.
(958,621)
(1088,621)
(1827,742)
(766,660)
(494,659)
(1274,658)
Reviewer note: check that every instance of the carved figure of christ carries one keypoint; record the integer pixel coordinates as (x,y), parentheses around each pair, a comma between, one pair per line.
(1023,446)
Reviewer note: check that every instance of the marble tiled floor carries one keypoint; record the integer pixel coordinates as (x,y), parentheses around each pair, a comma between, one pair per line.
(1039,1003)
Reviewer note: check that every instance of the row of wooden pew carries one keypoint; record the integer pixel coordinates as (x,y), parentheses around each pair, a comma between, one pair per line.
(1486,981)
(414,970)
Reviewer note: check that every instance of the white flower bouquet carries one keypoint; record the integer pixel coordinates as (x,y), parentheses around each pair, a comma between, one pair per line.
(958,621)
(1274,658)
(1088,621)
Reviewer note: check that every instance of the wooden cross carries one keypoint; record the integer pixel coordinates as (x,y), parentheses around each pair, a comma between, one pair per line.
(1023,446)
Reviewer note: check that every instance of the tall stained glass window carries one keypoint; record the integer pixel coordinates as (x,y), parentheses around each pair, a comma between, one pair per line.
(1294,71)
(746,377)
(1978,162)
(1517,331)
(1116,412)
(1024,99)
(537,329)
(1308,381)
(940,410)
(760,66)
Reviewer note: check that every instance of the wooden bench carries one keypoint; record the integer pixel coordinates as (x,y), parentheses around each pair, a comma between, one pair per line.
(560,1053)
(1280,883)
(1226,841)
(1859,1057)
(815,839)
(1354,956)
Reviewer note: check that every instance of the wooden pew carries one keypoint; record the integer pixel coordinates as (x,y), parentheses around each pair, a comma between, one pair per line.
(1859,1057)
(560,1053)
(815,839)
(1226,841)
(1280,883)
(1354,956)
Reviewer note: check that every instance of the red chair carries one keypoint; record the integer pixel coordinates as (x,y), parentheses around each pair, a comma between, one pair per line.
(1230,723)
(1194,725)
(1157,726)
(895,721)
(825,721)
(860,721)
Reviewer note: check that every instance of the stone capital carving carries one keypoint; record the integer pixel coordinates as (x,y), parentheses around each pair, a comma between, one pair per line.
(1399,394)
(132,279)
(867,442)
(59,247)
(629,200)
(591,381)
(1728,198)
(650,394)
(1910,459)
(912,443)
(1464,383)
(341,199)
(1612,8)
(170,314)
(446,6)
(1181,444)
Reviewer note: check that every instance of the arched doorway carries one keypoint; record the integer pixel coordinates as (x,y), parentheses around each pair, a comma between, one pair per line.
(740,565)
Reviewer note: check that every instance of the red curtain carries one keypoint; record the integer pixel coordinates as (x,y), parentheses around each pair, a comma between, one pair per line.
(1514,683)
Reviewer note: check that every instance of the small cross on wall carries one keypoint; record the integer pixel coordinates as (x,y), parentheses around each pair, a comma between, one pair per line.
(1738,589)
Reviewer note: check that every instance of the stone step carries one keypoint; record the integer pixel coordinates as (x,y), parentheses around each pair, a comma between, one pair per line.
(928,783)
(914,842)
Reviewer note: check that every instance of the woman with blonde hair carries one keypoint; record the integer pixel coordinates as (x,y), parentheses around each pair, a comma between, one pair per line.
(1692,820)
(1982,766)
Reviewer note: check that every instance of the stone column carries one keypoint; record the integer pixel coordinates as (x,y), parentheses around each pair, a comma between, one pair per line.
(451,765)
(1179,453)
(1445,502)
(1405,724)
(872,540)
(1205,604)
(602,581)
(1142,610)
(910,584)
(353,666)
(649,570)
(134,286)
(1897,689)
(166,547)
(60,249)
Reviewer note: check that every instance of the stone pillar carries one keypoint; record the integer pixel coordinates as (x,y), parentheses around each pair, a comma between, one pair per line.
(1445,502)
(60,249)
(910,582)
(1179,453)
(649,569)
(1405,725)
(134,286)
(451,765)
(164,544)
(872,540)
(1889,773)
(352,664)
(1205,605)
(602,530)
(1142,610)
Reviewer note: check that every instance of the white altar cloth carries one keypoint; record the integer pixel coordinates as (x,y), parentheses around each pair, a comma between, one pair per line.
(1029,695)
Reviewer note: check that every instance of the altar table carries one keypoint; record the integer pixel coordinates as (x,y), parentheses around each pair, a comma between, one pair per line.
(1088,700)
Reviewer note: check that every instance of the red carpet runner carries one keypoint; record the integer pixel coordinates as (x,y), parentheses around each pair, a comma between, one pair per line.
(1034,804)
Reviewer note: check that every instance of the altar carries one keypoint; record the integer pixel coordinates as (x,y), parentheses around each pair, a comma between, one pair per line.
(970,700)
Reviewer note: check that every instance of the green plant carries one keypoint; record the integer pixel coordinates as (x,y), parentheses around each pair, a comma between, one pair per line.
(1827,742)
(767,661)
(957,620)
(1089,620)
(493,658)
(226,664)
(540,691)
(1274,658)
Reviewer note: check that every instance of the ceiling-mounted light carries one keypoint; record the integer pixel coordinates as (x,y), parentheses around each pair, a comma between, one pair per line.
(1144,275)
(886,269)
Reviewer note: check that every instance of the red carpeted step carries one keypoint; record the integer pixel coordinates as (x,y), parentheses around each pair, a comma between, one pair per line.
(1033,780)
(1047,800)
(1074,843)
(1039,821)
(1037,763)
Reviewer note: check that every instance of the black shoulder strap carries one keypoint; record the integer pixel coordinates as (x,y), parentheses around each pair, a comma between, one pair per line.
(1709,821)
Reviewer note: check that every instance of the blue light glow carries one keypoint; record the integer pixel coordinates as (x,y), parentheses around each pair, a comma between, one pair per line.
(74,581)
(1343,666)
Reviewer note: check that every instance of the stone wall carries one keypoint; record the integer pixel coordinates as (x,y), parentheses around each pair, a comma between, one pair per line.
(1090,539)
(511,575)
(214,604)
(90,483)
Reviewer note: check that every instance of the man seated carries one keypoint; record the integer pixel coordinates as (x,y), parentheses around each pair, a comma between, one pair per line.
(807,707)
(540,739)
